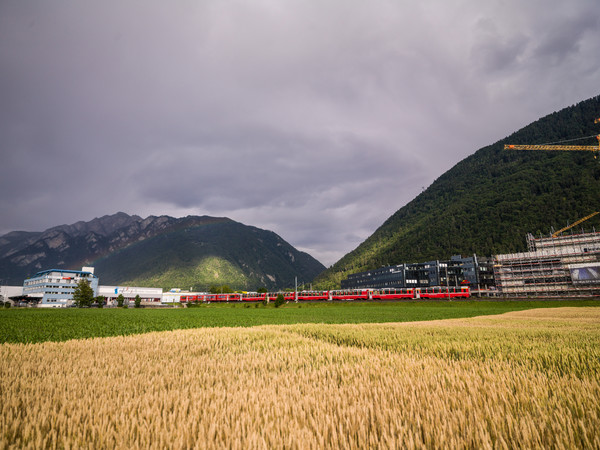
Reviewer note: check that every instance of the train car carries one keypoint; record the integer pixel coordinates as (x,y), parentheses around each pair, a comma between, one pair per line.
(393,293)
(313,295)
(461,292)
(432,292)
(287,296)
(222,298)
(350,294)
(443,292)
(253,297)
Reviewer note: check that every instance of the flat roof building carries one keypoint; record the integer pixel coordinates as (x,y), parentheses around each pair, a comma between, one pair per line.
(149,296)
(55,287)
(474,271)
(6,292)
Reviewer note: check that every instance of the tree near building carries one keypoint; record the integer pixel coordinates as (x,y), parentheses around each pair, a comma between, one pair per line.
(120,300)
(83,295)
(100,300)
(138,301)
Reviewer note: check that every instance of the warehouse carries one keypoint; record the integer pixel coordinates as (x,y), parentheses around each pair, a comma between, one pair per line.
(148,296)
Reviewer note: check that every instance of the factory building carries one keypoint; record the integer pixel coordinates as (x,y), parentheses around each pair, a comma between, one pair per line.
(148,296)
(54,288)
(7,292)
(554,266)
(474,271)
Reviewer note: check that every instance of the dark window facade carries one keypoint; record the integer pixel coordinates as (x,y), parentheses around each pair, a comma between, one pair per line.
(474,271)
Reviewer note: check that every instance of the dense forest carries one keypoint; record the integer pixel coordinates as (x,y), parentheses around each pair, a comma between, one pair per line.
(489,201)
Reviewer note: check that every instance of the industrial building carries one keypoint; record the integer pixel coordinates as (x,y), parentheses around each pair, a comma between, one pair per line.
(554,266)
(148,296)
(54,288)
(7,292)
(474,271)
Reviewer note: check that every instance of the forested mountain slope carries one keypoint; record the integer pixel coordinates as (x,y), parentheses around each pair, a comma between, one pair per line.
(488,202)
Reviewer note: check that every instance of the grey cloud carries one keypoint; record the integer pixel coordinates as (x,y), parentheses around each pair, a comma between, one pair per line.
(494,51)
(267,169)
(317,120)
(565,39)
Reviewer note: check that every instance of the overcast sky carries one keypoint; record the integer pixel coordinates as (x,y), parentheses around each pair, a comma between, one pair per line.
(317,119)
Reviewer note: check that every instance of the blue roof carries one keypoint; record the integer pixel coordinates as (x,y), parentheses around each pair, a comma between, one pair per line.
(77,272)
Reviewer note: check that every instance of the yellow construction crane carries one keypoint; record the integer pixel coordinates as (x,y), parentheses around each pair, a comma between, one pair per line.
(550,147)
(573,148)
(556,233)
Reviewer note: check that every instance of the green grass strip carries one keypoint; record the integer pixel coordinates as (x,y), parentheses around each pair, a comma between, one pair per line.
(32,325)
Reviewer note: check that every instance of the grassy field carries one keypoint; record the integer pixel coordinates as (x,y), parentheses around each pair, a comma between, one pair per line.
(524,379)
(40,325)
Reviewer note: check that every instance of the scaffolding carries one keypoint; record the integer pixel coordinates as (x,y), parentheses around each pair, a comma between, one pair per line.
(555,266)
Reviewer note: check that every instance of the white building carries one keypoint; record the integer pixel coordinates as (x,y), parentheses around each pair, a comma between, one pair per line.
(172,296)
(149,296)
(55,287)
(10,291)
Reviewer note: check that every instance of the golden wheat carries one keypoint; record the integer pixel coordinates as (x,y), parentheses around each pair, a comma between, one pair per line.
(528,379)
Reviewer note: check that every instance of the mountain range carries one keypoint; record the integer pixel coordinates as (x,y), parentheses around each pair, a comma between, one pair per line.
(488,202)
(190,252)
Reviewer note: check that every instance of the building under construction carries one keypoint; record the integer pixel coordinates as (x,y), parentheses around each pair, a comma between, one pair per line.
(554,266)
(557,265)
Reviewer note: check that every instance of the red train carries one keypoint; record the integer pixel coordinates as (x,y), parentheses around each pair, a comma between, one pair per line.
(440,292)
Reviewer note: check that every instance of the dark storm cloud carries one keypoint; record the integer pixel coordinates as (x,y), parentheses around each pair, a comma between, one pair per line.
(317,120)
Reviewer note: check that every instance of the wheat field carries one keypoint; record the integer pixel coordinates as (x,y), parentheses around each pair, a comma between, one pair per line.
(525,379)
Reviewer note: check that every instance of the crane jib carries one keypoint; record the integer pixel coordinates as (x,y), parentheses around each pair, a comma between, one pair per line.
(574,148)
(552,146)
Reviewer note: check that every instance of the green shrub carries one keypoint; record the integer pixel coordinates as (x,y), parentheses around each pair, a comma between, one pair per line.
(279,300)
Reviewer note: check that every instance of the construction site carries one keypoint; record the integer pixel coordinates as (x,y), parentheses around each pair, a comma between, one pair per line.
(554,266)
(558,265)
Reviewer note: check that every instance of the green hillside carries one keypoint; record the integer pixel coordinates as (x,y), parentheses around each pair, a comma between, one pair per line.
(215,253)
(488,202)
